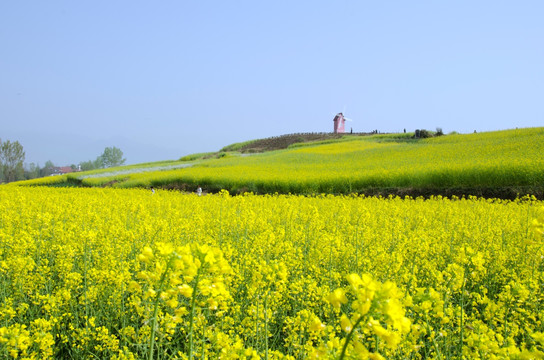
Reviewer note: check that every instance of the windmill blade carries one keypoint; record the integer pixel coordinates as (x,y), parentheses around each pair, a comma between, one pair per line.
(348,119)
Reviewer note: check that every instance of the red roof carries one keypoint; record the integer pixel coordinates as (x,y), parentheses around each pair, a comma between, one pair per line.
(63,169)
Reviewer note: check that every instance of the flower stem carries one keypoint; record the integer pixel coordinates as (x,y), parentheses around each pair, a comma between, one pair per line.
(191,316)
(155,312)
(348,338)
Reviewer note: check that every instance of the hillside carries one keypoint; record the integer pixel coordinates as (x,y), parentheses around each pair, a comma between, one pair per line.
(283,142)
(500,164)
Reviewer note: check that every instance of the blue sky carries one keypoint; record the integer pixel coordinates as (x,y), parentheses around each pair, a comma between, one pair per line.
(164,79)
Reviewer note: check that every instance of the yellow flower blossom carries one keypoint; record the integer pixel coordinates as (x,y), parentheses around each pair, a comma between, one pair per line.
(246,276)
(337,298)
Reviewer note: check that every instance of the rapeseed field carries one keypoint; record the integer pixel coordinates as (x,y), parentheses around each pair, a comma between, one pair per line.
(509,159)
(90,273)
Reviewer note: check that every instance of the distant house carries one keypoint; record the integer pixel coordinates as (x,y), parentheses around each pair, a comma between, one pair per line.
(61,170)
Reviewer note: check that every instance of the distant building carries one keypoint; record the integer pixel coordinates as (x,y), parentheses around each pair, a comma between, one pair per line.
(61,170)
(339,123)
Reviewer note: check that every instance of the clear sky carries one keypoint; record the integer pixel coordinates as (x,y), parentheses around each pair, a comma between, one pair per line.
(163,79)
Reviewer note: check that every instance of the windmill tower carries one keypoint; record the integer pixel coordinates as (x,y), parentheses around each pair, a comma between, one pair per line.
(339,123)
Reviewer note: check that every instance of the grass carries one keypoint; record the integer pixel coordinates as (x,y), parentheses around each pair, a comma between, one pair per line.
(237,146)
(197,156)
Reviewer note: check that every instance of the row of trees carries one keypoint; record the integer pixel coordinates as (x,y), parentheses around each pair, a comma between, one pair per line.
(111,157)
(33,170)
(12,167)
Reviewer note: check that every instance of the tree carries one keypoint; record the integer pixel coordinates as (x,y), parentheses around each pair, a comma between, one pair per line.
(32,171)
(91,165)
(98,163)
(112,156)
(86,165)
(11,160)
(47,169)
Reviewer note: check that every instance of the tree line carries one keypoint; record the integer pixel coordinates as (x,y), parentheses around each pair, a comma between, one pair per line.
(13,168)
(111,157)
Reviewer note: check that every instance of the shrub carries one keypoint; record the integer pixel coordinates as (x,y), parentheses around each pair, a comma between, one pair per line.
(425,134)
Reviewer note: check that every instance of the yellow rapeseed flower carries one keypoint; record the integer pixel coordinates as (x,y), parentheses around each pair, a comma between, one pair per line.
(337,298)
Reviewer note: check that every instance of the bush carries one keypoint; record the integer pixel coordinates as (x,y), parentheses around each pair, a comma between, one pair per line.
(423,134)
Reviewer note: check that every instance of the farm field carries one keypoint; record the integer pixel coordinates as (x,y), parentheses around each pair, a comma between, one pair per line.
(91,273)
(502,164)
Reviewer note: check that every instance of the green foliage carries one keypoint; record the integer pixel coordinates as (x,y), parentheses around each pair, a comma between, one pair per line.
(424,134)
(32,171)
(111,157)
(197,156)
(89,165)
(393,136)
(12,157)
(237,146)
(47,169)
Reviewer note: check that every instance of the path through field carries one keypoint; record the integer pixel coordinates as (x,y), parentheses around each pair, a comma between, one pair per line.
(135,170)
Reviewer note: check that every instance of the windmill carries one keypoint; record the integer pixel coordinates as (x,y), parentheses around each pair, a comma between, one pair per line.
(339,123)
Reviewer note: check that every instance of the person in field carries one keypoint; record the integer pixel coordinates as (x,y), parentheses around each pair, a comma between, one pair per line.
(199,191)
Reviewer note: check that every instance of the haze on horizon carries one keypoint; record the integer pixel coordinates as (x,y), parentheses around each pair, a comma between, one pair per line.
(164,79)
